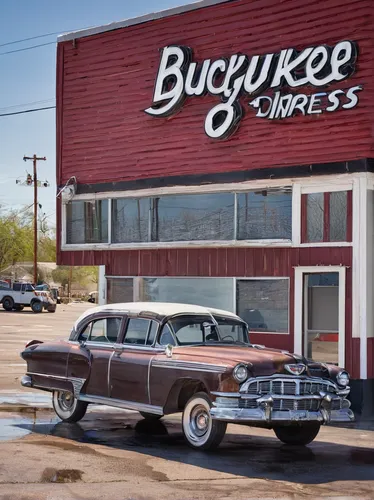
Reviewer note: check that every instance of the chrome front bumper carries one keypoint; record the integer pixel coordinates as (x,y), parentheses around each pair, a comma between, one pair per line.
(268,408)
(259,415)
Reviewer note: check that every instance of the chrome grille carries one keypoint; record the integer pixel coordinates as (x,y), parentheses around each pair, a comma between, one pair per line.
(284,404)
(282,387)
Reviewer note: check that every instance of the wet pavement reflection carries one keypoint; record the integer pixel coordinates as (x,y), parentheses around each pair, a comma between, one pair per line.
(243,452)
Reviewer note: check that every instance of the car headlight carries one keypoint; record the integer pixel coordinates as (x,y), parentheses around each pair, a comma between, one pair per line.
(343,378)
(240,373)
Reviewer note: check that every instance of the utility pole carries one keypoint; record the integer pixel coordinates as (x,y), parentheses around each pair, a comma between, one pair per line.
(34,181)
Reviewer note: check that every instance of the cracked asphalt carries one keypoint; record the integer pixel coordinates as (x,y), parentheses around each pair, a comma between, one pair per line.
(113,454)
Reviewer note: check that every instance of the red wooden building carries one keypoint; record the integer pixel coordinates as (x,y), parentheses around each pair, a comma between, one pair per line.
(221,153)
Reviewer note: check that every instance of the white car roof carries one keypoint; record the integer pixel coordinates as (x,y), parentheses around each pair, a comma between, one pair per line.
(158,308)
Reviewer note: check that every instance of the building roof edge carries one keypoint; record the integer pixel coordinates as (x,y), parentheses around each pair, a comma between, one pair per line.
(139,20)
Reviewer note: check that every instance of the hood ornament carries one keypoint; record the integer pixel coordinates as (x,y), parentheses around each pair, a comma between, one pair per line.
(296,369)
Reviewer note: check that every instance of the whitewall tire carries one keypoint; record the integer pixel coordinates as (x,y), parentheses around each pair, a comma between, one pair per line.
(67,407)
(199,429)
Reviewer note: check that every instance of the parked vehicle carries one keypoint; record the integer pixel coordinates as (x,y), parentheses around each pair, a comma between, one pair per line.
(53,291)
(163,358)
(22,295)
(93,297)
(4,284)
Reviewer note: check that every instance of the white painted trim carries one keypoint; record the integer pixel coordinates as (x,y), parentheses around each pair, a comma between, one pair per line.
(299,305)
(178,244)
(296,214)
(95,30)
(327,187)
(326,244)
(63,225)
(102,287)
(324,182)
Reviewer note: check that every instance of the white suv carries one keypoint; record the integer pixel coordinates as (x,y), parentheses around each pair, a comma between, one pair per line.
(24,295)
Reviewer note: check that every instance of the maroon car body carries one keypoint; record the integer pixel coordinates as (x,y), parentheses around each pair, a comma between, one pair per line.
(164,358)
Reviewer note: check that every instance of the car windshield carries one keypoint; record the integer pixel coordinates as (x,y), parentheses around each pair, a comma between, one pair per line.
(198,330)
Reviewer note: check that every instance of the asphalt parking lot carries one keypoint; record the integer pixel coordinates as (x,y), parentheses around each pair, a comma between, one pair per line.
(113,454)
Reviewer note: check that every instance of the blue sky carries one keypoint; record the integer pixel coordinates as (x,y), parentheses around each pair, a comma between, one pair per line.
(29,76)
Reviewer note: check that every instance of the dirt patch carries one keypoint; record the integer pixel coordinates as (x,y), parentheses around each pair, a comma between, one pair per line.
(51,475)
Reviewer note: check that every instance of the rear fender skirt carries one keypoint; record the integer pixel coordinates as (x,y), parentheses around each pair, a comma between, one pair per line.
(53,382)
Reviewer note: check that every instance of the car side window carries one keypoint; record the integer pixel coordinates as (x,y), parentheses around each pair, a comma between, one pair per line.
(83,336)
(29,288)
(17,287)
(152,333)
(137,331)
(166,336)
(105,330)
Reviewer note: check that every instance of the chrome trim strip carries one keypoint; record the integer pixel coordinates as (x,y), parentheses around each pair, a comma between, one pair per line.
(109,391)
(189,365)
(58,377)
(149,379)
(118,403)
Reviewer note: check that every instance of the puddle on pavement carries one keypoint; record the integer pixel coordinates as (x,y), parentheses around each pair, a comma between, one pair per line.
(19,426)
(34,399)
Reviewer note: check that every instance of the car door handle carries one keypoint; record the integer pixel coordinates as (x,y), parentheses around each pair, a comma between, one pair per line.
(118,350)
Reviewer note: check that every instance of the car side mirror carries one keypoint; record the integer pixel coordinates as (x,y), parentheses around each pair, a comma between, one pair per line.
(169,350)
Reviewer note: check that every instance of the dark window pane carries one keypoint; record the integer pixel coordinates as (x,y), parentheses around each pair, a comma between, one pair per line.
(105,330)
(136,332)
(264,215)
(315,216)
(17,287)
(338,216)
(152,333)
(166,336)
(130,220)
(193,217)
(119,290)
(263,304)
(87,222)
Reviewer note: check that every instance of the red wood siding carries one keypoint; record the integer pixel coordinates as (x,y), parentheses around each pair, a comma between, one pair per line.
(212,262)
(371,357)
(105,81)
(229,262)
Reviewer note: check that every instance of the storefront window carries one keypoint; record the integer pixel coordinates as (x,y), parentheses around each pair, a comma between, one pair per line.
(87,222)
(209,292)
(130,220)
(326,217)
(264,215)
(120,290)
(264,304)
(193,217)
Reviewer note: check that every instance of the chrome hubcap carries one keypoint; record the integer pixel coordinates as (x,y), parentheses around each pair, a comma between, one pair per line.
(199,421)
(66,400)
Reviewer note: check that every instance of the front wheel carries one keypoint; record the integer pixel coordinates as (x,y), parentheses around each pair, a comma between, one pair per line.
(199,429)
(36,306)
(301,435)
(67,406)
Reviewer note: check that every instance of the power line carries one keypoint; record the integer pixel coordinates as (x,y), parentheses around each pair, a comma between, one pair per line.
(27,48)
(45,101)
(27,111)
(35,37)
(30,38)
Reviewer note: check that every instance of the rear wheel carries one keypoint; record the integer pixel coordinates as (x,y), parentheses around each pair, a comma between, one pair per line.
(67,406)
(199,429)
(36,306)
(8,303)
(150,416)
(301,435)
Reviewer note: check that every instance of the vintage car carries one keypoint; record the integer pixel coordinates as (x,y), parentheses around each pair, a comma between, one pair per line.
(159,359)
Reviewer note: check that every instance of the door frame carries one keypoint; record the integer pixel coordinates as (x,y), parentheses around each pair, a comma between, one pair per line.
(299,295)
